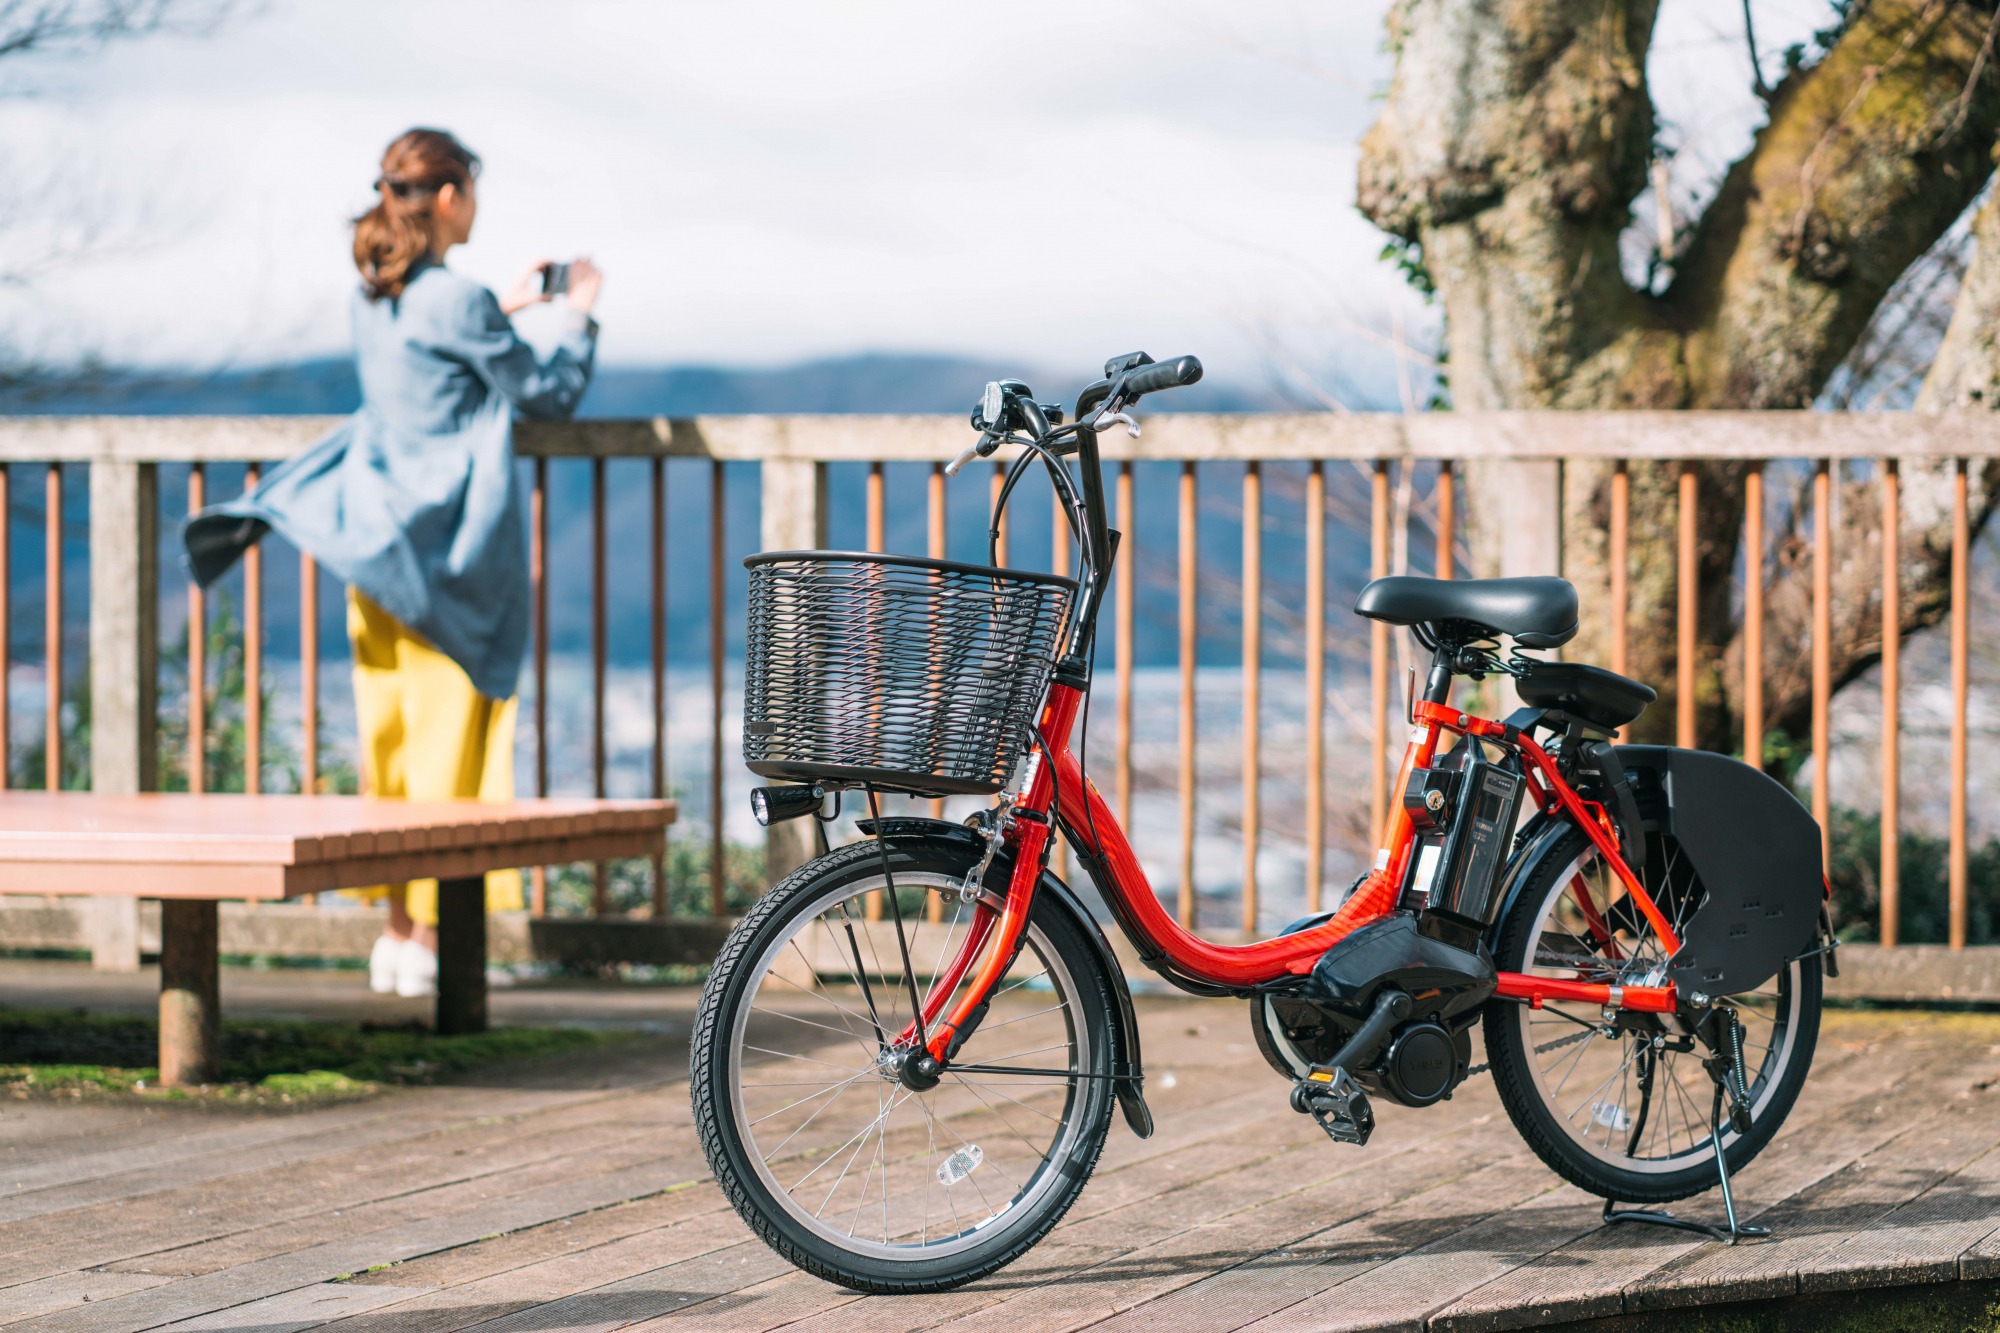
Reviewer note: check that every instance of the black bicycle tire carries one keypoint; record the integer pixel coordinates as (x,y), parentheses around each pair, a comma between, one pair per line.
(708,1075)
(1513,1073)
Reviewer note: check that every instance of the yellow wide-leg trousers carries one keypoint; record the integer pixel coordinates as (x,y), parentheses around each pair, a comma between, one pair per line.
(427,735)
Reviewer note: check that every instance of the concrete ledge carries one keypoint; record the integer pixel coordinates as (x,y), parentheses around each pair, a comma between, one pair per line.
(1917,972)
(1909,973)
(299,930)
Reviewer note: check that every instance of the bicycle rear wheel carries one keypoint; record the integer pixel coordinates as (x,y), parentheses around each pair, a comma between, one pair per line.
(1627,1116)
(826,1151)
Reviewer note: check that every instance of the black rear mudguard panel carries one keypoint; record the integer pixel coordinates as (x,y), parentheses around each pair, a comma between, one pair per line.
(1757,852)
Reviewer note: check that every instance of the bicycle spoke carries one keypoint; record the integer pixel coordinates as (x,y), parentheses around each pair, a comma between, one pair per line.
(863,1167)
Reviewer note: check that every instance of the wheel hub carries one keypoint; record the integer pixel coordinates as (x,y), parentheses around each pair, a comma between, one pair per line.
(914,1068)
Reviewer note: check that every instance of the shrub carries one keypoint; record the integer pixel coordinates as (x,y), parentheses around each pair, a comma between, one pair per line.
(1924,916)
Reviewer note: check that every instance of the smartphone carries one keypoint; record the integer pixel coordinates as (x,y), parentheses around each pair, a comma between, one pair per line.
(555,279)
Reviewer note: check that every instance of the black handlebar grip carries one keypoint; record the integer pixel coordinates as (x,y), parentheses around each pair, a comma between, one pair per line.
(1162,375)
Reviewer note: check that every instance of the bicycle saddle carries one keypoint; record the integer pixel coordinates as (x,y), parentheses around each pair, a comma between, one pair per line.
(1536,612)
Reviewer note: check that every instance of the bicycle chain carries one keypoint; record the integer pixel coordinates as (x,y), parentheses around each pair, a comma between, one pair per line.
(1542,1049)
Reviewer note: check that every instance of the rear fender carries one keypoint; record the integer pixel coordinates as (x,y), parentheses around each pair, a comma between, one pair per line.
(1754,846)
(1757,851)
(1127,1067)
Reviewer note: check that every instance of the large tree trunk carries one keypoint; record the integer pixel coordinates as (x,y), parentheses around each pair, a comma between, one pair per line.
(1513,141)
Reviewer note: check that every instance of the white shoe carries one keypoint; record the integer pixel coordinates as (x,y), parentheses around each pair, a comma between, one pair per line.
(382,960)
(416,970)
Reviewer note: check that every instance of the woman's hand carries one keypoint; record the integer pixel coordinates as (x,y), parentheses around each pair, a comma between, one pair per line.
(527,289)
(585,281)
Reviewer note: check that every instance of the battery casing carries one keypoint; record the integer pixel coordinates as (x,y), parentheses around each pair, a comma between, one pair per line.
(1461,843)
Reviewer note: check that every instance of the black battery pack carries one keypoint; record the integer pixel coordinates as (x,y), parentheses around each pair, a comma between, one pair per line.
(1463,808)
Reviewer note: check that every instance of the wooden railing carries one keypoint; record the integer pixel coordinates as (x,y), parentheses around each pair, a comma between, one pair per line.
(1368,459)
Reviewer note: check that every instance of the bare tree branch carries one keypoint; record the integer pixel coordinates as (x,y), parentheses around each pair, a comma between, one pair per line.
(71,27)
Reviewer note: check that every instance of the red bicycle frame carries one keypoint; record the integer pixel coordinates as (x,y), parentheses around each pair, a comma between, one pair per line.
(1056,790)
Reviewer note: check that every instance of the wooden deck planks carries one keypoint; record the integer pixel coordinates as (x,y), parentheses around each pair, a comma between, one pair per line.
(307,1307)
(60,1291)
(1817,1217)
(1587,1279)
(590,1210)
(1920,1242)
(373,1159)
(1195,1277)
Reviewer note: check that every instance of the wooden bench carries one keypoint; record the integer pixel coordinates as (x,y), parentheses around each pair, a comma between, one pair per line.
(193,851)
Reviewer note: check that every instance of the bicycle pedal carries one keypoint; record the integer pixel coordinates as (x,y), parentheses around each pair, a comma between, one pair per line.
(1336,1103)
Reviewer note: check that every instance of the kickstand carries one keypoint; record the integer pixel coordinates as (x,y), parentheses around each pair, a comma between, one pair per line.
(1728,1235)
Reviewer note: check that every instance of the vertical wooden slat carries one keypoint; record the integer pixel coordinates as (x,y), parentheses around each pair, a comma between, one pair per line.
(1822,652)
(717,545)
(1315,684)
(197,654)
(935,535)
(659,645)
(1961,675)
(1123,624)
(52,602)
(1753,616)
(1253,682)
(1620,557)
(1892,686)
(1447,525)
(600,872)
(1189,645)
(253,655)
(1059,558)
(1378,653)
(538,579)
(874,905)
(875,537)
(1000,543)
(1685,603)
(6,624)
(309,674)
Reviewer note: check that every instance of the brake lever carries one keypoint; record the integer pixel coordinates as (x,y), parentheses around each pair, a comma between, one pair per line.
(1106,418)
(986,446)
(971,452)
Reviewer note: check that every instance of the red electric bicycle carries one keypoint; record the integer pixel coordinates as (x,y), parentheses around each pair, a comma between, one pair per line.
(908,1054)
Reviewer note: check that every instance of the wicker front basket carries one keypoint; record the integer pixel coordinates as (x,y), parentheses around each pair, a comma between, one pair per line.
(900,673)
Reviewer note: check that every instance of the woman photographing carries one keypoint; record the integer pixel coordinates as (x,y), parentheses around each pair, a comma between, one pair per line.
(413,503)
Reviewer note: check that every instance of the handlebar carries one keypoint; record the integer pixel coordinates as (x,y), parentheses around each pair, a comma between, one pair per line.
(1007,414)
(1162,375)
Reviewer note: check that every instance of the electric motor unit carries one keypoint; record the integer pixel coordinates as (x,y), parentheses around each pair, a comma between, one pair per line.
(1424,1063)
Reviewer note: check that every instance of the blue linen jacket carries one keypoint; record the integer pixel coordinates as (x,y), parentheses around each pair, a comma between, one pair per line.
(414,500)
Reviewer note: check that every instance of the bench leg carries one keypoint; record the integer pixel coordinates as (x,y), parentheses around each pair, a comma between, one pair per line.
(461,997)
(190,994)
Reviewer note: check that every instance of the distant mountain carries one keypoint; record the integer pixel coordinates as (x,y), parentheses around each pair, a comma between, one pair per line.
(871,382)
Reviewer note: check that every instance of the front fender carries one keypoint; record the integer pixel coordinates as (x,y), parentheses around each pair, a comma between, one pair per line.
(1128,1068)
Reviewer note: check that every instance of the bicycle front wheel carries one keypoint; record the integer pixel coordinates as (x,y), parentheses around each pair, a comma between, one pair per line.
(831,1156)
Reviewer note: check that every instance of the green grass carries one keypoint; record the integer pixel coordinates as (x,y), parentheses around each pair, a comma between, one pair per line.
(75,1054)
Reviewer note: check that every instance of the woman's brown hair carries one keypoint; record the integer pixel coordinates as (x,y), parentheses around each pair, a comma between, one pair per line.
(390,238)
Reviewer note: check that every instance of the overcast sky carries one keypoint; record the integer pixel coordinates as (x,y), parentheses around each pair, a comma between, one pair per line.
(765,181)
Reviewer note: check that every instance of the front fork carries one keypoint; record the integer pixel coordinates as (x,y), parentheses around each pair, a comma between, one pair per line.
(951,1009)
